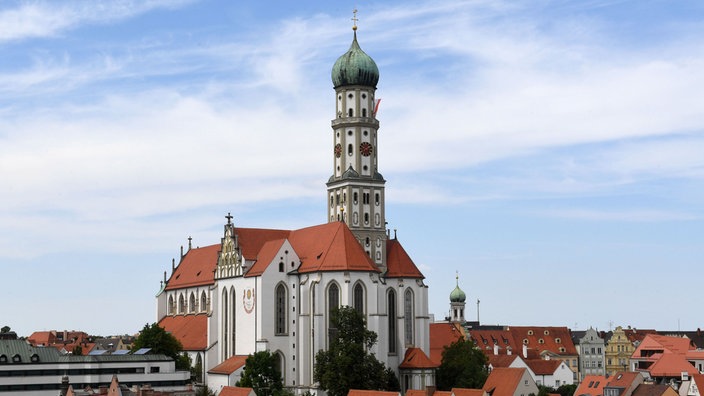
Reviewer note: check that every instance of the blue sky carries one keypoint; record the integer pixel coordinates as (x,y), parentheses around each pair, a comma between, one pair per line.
(550,151)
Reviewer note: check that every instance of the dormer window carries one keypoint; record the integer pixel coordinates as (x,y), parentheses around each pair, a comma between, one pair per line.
(562,349)
(525,341)
(35,358)
(541,341)
(17,358)
(530,332)
(3,359)
(546,332)
(558,341)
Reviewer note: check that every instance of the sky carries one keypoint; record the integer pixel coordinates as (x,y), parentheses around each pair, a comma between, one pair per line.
(549,152)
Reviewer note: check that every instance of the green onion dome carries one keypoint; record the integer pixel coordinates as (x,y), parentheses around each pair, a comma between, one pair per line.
(355,67)
(457,295)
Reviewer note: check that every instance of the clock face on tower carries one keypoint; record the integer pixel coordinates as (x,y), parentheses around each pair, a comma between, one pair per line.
(366,149)
(338,150)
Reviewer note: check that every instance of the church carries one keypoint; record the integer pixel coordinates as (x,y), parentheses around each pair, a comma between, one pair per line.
(274,289)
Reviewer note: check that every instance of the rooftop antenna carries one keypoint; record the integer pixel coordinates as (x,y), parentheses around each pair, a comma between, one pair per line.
(478,310)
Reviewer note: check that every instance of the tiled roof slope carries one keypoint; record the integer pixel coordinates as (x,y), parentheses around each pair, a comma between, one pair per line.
(190,330)
(230,365)
(668,344)
(671,365)
(236,391)
(503,381)
(543,367)
(416,358)
(42,338)
(591,385)
(197,268)
(485,340)
(330,247)
(623,379)
(634,335)
(251,240)
(549,336)
(357,392)
(654,390)
(265,256)
(399,263)
(467,392)
(442,335)
(502,360)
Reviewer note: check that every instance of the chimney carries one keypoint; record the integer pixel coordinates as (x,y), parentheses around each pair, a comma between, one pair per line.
(509,351)
(496,349)
(103,390)
(429,390)
(525,351)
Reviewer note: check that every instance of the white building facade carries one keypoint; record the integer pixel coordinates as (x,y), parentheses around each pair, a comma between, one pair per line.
(269,289)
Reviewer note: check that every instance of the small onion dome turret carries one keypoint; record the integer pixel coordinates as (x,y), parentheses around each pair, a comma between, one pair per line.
(355,67)
(457,295)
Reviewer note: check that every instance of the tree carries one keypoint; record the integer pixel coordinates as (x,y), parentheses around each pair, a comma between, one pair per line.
(261,374)
(77,350)
(161,342)
(566,389)
(347,364)
(463,365)
(5,329)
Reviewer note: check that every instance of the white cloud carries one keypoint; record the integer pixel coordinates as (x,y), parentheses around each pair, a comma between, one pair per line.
(50,18)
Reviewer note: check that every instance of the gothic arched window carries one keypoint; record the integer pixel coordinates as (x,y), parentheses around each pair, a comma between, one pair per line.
(203,302)
(181,304)
(280,310)
(391,310)
(225,316)
(359,298)
(408,317)
(192,303)
(170,309)
(333,305)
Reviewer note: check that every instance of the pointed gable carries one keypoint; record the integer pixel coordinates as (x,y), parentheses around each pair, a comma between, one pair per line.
(399,263)
(190,330)
(266,255)
(197,268)
(230,365)
(236,391)
(330,247)
(508,382)
(415,358)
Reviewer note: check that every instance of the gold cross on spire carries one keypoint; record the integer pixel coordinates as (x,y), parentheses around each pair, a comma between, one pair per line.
(354,19)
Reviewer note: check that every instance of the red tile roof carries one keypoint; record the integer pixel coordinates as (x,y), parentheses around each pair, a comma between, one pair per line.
(591,385)
(671,365)
(416,392)
(330,247)
(442,335)
(543,367)
(668,344)
(623,379)
(197,268)
(357,392)
(235,391)
(230,365)
(502,360)
(485,340)
(467,392)
(251,240)
(503,381)
(654,390)
(543,338)
(190,330)
(634,335)
(442,393)
(399,263)
(415,358)
(266,255)
(43,338)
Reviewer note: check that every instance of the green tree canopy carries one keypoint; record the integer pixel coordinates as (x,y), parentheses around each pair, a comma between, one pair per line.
(5,329)
(161,342)
(463,365)
(347,364)
(261,374)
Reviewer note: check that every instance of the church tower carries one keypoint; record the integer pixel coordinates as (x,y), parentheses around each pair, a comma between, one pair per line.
(356,188)
(457,302)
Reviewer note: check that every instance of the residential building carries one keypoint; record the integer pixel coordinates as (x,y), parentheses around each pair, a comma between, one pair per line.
(619,349)
(623,384)
(272,289)
(510,382)
(549,343)
(26,369)
(592,353)
(591,385)
(666,359)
